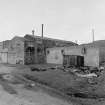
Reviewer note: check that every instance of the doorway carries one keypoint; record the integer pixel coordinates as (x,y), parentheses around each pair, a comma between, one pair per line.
(73,60)
(29,55)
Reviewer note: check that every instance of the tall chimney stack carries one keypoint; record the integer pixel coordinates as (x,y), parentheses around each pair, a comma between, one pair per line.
(42,30)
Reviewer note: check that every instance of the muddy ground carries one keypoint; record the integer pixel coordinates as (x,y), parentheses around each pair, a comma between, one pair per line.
(16,90)
(56,84)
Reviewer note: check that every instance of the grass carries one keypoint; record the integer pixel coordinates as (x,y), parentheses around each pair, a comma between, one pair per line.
(8,88)
(63,81)
(68,83)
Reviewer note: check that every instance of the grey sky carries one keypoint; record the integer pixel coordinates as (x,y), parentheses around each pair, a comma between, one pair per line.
(64,19)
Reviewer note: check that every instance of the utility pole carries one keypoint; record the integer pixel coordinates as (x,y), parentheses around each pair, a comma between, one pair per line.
(42,30)
(43,52)
(42,36)
(93,35)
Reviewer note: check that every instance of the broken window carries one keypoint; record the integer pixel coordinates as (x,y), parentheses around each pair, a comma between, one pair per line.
(30,51)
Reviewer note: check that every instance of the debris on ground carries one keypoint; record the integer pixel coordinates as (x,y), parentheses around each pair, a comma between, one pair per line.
(82,83)
(37,69)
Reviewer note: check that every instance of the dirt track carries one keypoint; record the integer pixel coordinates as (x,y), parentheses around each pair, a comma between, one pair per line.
(27,97)
(38,96)
(17,94)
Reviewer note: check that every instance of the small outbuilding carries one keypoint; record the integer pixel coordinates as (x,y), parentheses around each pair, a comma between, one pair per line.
(82,55)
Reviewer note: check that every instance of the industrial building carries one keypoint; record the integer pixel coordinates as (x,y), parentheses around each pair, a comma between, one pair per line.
(82,55)
(29,49)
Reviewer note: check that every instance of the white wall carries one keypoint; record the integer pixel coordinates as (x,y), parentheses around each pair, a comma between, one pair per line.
(73,51)
(16,53)
(12,58)
(55,56)
(3,57)
(91,58)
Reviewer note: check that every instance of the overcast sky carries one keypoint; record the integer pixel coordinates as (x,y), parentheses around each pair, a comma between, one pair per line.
(64,19)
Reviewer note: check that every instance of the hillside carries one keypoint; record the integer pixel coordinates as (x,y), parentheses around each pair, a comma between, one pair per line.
(98,43)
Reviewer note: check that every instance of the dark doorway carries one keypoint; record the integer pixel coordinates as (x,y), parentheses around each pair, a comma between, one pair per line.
(73,60)
(80,61)
(29,55)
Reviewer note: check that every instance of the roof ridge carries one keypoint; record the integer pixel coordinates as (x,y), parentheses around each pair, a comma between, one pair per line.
(50,38)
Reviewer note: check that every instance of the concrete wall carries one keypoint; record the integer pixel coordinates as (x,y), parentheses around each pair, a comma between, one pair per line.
(12,58)
(3,57)
(91,58)
(1,45)
(16,51)
(102,54)
(54,56)
(73,51)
